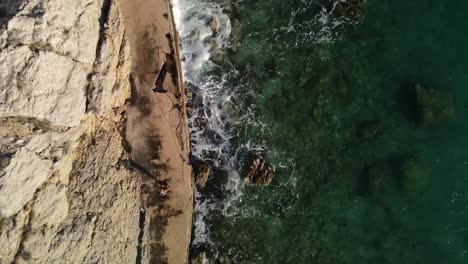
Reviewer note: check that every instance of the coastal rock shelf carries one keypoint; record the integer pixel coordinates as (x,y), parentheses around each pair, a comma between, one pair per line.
(93,163)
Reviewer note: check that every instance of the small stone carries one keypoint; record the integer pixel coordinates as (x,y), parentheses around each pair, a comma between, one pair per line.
(259,172)
(201,171)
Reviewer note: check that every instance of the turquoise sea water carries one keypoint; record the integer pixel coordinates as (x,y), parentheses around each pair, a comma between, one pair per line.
(365,117)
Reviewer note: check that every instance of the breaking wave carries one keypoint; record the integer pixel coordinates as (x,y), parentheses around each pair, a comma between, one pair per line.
(213,105)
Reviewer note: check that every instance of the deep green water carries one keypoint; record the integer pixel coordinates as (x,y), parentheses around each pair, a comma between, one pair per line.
(374,181)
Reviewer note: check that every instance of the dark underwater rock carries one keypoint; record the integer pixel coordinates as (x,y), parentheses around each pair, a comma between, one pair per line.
(259,172)
(369,130)
(397,173)
(376,179)
(413,177)
(435,106)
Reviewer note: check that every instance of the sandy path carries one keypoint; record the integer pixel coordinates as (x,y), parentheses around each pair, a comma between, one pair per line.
(157,133)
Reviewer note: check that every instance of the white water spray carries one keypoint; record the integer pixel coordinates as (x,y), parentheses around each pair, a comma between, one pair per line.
(210,130)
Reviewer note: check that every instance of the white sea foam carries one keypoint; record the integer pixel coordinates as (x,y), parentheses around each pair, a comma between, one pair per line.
(212,104)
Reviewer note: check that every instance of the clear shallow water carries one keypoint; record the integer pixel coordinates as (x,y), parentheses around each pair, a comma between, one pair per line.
(332,102)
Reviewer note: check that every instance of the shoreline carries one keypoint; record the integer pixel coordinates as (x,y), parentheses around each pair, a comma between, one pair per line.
(159,120)
(93,162)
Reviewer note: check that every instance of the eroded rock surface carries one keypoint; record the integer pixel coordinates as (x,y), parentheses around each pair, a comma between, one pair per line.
(64,196)
(259,172)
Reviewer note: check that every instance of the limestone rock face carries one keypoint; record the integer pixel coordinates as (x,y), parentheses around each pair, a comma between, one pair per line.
(64,195)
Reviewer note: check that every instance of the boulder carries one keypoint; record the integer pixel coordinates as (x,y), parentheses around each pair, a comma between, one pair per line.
(259,173)
(213,24)
(200,259)
(201,171)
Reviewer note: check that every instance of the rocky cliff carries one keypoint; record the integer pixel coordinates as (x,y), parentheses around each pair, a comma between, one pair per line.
(92,162)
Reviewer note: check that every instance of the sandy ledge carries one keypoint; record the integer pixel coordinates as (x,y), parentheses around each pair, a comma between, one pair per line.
(156,130)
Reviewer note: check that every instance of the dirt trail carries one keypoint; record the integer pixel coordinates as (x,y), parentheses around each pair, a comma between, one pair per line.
(157,134)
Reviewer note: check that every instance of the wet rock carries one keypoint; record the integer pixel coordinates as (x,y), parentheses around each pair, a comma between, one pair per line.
(224,260)
(200,122)
(194,36)
(189,111)
(201,171)
(259,172)
(200,259)
(215,51)
(188,94)
(435,106)
(213,24)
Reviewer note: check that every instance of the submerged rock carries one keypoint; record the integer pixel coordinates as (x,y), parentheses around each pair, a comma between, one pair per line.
(377,179)
(412,176)
(259,172)
(435,106)
(201,171)
(368,130)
